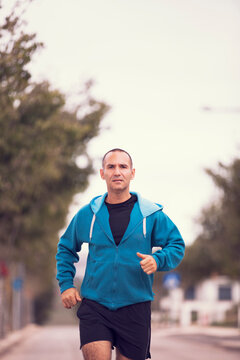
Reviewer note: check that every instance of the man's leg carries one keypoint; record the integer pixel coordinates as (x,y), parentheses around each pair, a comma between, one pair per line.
(120,356)
(97,350)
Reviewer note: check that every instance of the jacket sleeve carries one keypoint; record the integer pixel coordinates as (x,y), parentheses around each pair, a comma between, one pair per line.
(167,236)
(67,249)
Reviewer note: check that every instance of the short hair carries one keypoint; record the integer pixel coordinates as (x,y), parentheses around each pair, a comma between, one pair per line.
(120,150)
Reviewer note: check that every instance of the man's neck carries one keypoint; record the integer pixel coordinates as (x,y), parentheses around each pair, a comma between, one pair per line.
(116,198)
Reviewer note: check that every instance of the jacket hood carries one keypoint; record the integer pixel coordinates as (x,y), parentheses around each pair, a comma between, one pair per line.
(146,207)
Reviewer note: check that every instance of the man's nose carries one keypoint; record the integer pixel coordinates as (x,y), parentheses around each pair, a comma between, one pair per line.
(117,171)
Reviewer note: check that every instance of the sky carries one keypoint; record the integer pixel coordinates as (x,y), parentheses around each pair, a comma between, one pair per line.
(157,63)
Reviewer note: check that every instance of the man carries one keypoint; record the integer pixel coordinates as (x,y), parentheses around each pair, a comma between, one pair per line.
(121,228)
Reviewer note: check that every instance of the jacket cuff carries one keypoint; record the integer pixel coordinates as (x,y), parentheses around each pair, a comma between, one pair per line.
(66,285)
(158,261)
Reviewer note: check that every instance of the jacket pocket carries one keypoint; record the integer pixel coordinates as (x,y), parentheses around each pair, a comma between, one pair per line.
(132,283)
(100,281)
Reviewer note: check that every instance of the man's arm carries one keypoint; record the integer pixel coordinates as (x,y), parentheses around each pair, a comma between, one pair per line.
(68,247)
(167,236)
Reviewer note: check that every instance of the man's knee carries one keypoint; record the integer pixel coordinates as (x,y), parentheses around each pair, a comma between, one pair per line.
(97,350)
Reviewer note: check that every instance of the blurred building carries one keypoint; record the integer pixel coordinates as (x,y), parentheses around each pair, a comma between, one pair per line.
(212,301)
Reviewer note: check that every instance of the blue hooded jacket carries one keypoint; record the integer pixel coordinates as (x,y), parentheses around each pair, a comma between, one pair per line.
(113,275)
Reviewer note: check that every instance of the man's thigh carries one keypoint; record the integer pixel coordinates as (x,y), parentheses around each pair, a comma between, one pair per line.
(92,327)
(120,356)
(97,350)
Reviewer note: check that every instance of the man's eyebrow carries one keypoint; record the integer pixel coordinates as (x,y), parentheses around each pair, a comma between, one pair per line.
(121,164)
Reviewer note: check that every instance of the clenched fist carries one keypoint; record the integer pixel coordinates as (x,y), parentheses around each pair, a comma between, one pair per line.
(148,263)
(70,297)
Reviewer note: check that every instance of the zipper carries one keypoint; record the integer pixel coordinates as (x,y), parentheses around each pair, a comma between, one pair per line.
(115,276)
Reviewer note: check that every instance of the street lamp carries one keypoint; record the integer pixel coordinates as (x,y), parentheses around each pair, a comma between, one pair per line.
(225,110)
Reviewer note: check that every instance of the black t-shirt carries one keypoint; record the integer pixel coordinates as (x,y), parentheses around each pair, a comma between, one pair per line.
(119,217)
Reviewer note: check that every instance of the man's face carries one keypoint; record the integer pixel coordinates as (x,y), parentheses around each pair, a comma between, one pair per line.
(117,171)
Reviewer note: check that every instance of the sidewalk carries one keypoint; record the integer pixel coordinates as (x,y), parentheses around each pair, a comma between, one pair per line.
(16,337)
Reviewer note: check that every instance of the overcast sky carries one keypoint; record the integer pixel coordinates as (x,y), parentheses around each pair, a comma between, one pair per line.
(156,63)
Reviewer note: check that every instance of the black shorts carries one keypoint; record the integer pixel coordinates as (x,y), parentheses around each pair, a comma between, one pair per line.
(127,328)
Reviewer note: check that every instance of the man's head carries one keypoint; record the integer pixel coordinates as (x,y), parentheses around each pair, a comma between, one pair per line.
(117,170)
(119,150)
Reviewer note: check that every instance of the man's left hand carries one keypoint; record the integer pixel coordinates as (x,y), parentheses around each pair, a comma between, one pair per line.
(148,263)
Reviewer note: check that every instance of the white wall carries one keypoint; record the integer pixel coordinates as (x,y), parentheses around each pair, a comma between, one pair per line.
(206,303)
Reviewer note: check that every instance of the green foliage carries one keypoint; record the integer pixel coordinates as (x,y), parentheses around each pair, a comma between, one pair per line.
(217,247)
(39,143)
(42,305)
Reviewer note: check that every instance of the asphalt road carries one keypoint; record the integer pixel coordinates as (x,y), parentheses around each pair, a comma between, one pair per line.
(62,343)
(195,346)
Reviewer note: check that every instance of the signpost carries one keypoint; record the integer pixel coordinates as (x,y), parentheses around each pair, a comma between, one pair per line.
(17,303)
(171,280)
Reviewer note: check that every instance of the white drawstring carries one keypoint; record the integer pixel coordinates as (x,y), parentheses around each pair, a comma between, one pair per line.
(144,227)
(91,228)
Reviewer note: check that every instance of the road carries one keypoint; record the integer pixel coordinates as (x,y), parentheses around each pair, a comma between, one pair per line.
(62,343)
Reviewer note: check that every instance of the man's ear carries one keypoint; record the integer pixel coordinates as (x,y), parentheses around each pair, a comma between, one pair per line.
(133,174)
(102,173)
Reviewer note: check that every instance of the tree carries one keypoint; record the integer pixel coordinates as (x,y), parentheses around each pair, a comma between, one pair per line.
(217,247)
(39,143)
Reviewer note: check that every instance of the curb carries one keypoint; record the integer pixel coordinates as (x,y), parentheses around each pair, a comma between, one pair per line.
(16,337)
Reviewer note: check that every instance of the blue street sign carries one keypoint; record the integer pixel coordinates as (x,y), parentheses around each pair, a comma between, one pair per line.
(17,284)
(171,280)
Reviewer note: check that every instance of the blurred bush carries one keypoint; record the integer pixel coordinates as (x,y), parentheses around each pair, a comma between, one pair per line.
(217,247)
(39,143)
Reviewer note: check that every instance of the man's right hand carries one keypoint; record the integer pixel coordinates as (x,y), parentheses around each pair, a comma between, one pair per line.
(70,297)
